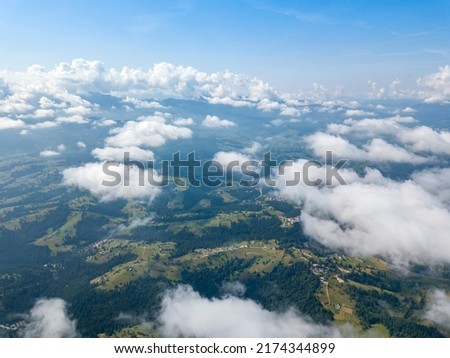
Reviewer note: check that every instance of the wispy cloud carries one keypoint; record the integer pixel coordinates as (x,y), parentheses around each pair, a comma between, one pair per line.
(305,16)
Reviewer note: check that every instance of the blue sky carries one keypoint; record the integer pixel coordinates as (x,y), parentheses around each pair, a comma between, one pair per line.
(290,44)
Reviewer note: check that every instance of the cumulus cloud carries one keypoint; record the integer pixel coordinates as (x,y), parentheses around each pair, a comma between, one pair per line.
(408,110)
(147,131)
(117,154)
(8,123)
(436,86)
(49,319)
(81,145)
(43,125)
(357,113)
(39,114)
(438,309)
(277,122)
(183,122)
(92,177)
(253,149)
(377,150)
(142,103)
(72,119)
(216,122)
(290,111)
(185,313)
(60,95)
(63,87)
(228,159)
(49,153)
(373,215)
(426,139)
(370,127)
(435,181)
(105,122)
(418,139)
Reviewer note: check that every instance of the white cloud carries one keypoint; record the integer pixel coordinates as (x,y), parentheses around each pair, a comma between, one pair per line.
(185,313)
(321,142)
(253,149)
(46,103)
(290,111)
(357,113)
(61,148)
(436,86)
(43,125)
(183,122)
(370,127)
(438,309)
(71,119)
(8,123)
(92,177)
(268,105)
(48,153)
(227,158)
(14,105)
(377,150)
(147,131)
(419,139)
(39,114)
(374,215)
(162,80)
(426,139)
(142,103)
(277,122)
(216,122)
(57,94)
(49,319)
(105,122)
(435,181)
(408,110)
(117,154)
(140,222)
(81,145)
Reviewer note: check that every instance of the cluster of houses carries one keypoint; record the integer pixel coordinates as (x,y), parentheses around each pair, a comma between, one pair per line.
(324,272)
(291,221)
(13,327)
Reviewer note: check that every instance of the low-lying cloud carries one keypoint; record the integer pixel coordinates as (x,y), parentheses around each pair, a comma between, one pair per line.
(418,139)
(185,313)
(216,122)
(49,319)
(117,154)
(377,150)
(374,215)
(147,131)
(438,309)
(91,177)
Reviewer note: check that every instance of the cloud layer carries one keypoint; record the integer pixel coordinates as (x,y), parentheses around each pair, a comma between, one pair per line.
(185,313)
(374,215)
(59,95)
